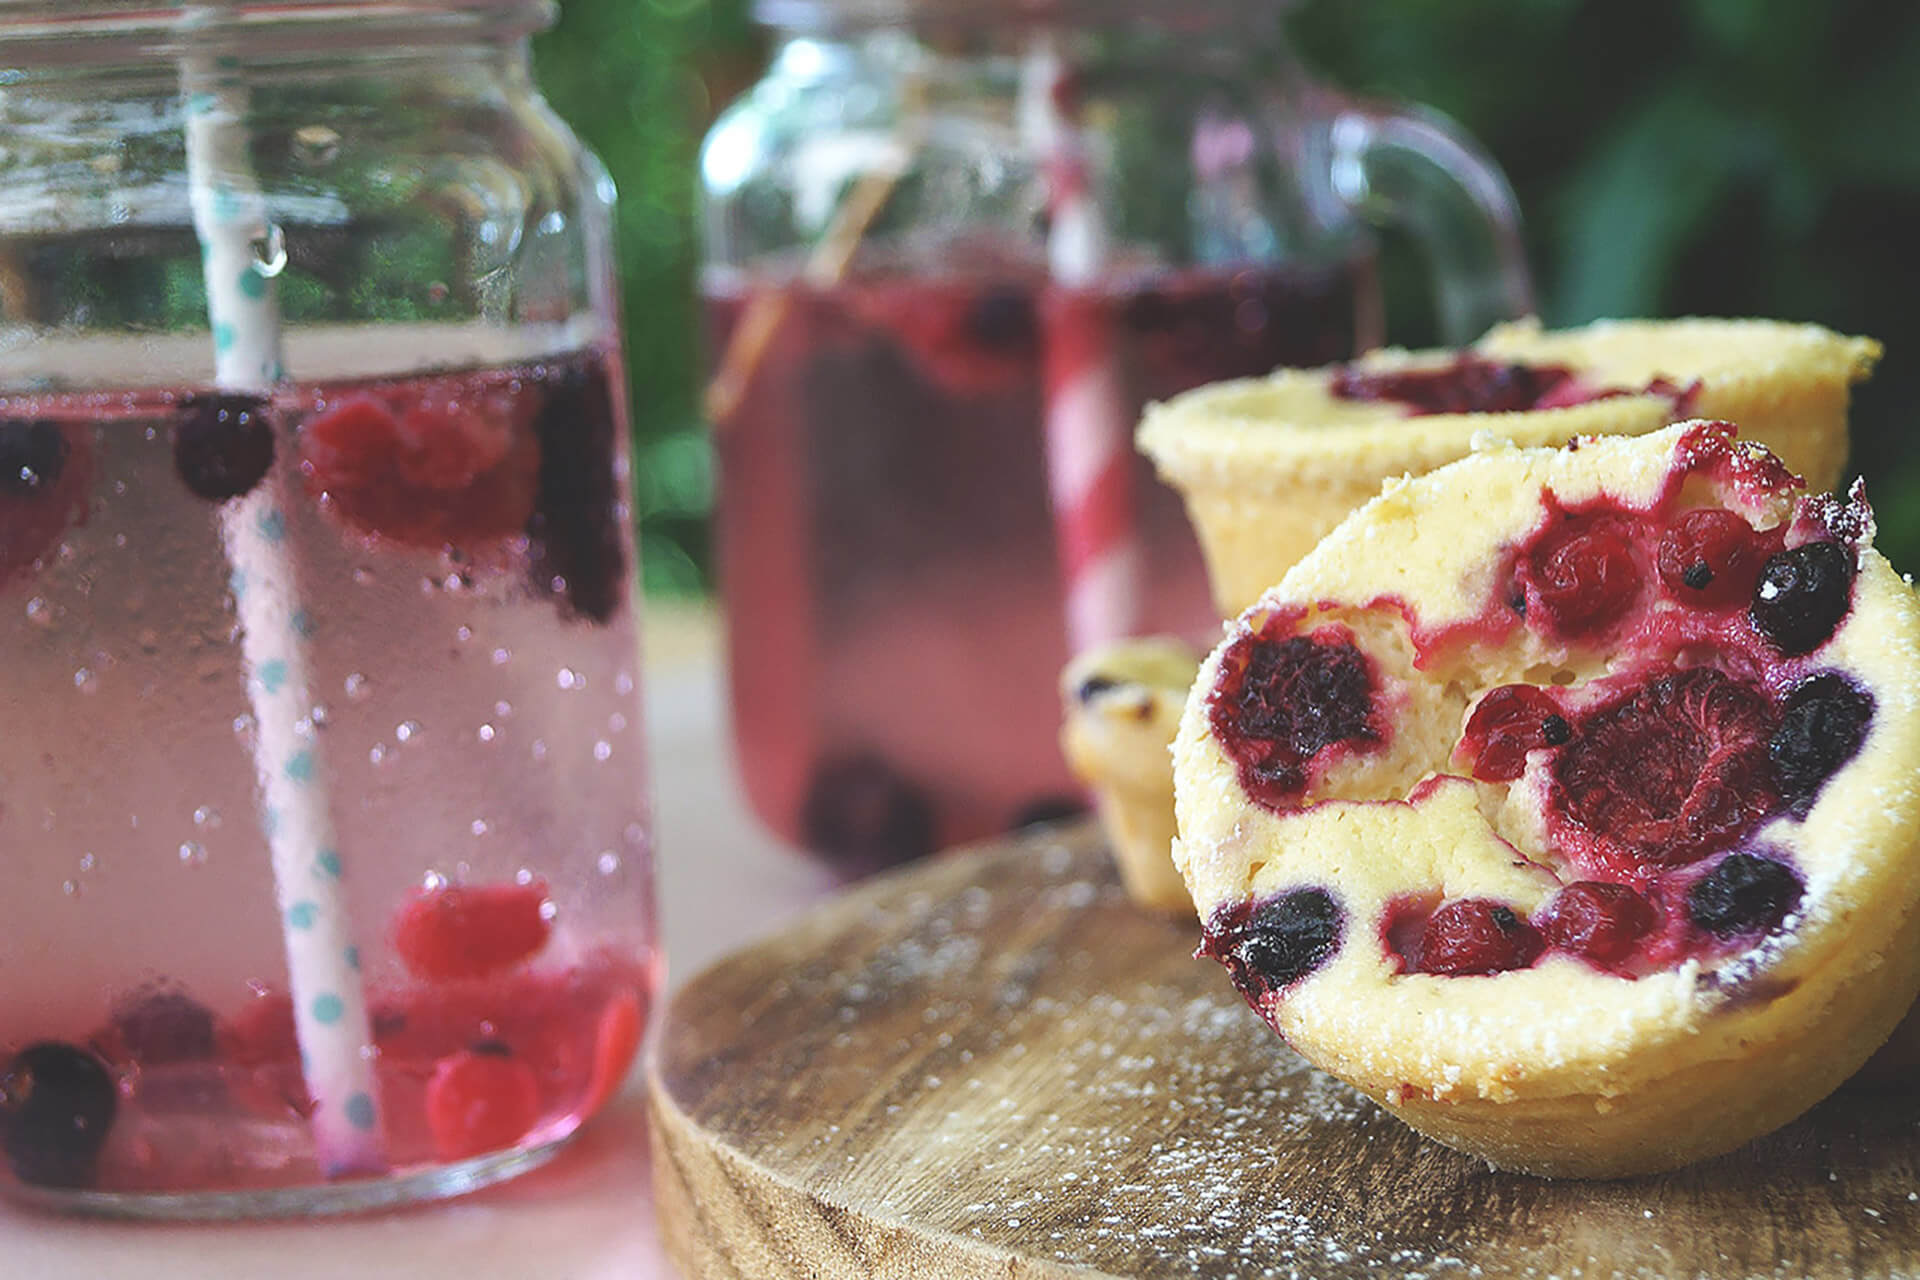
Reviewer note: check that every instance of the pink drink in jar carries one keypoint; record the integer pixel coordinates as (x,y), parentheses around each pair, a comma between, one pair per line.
(463,551)
(886,552)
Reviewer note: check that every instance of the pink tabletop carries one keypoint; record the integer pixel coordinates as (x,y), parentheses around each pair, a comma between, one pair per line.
(589,1214)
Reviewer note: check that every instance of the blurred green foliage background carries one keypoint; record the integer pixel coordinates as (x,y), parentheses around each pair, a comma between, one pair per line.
(1672,157)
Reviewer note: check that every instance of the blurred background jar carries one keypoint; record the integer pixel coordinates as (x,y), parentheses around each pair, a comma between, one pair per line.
(932,230)
(321,794)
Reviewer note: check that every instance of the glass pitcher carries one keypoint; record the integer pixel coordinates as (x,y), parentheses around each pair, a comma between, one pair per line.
(913,224)
(321,807)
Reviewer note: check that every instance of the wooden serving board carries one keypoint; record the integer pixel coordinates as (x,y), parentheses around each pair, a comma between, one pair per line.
(994,1065)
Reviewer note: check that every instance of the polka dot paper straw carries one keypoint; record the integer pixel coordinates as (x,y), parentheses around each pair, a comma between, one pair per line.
(330,1013)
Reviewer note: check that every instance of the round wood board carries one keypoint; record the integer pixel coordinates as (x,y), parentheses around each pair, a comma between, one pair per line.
(994,1065)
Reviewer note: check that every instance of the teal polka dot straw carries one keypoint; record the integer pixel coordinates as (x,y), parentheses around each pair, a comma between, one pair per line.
(330,1013)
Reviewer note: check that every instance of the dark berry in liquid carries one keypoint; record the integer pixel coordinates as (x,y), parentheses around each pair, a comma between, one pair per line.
(57,1103)
(222,445)
(865,816)
(577,545)
(32,456)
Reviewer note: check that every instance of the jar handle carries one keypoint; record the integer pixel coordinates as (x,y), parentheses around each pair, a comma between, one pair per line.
(1411,168)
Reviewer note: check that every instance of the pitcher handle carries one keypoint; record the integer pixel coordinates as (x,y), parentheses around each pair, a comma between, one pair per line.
(1411,168)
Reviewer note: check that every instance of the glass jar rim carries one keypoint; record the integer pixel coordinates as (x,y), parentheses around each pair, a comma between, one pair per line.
(827,16)
(70,30)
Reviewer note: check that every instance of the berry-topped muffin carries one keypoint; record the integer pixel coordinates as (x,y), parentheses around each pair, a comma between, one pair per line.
(1565,802)
(1268,466)
(1122,704)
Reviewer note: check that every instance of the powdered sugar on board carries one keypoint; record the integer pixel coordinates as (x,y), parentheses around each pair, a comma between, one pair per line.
(995,1065)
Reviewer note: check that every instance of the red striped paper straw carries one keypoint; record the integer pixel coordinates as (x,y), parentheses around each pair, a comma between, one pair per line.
(1089,445)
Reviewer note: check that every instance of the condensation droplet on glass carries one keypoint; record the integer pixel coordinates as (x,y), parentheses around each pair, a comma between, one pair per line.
(87,861)
(363,575)
(356,686)
(623,683)
(617,722)
(85,681)
(120,541)
(377,754)
(406,730)
(207,816)
(70,887)
(603,751)
(609,862)
(319,714)
(270,251)
(463,634)
(485,733)
(39,612)
(503,708)
(568,678)
(242,725)
(479,826)
(635,833)
(523,877)
(193,854)
(433,881)
(502,656)
(539,748)
(119,488)
(549,910)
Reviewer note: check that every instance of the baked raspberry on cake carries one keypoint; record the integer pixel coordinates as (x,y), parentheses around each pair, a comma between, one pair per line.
(1121,706)
(1267,466)
(1564,801)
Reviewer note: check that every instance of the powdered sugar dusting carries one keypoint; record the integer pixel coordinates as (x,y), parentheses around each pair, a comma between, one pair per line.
(1009,1057)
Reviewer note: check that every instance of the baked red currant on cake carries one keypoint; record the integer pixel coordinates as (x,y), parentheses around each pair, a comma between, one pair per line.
(1564,801)
(1267,466)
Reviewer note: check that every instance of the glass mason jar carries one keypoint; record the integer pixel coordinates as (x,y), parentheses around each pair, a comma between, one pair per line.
(321,795)
(918,225)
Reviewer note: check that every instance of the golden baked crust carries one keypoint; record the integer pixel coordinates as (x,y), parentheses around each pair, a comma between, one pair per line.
(1268,466)
(1121,705)
(1787,385)
(1565,1067)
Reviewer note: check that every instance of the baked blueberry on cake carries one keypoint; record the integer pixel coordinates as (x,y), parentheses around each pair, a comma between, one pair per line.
(1267,466)
(1564,801)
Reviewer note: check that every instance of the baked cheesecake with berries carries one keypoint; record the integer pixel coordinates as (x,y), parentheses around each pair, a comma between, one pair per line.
(1268,466)
(1564,801)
